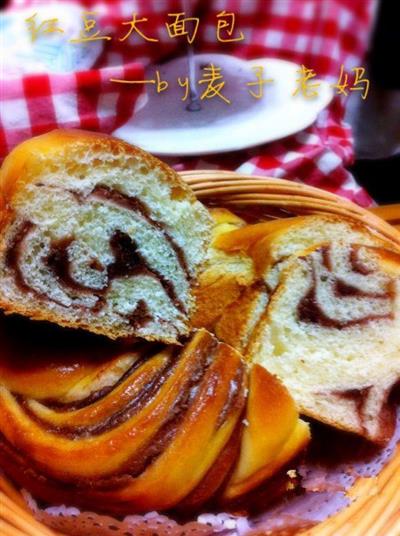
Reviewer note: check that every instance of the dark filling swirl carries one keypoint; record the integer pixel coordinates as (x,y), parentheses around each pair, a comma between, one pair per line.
(310,309)
(128,260)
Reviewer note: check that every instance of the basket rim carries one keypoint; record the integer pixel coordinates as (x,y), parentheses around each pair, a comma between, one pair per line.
(231,188)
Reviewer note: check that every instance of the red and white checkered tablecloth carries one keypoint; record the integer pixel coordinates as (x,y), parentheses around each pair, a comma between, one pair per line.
(321,34)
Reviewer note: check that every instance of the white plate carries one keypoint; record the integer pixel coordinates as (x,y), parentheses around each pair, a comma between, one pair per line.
(163,126)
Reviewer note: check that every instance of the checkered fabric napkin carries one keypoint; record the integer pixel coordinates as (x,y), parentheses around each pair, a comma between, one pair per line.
(320,34)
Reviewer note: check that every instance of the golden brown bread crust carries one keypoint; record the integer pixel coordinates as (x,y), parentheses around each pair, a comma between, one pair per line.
(22,165)
(224,275)
(241,317)
(270,434)
(112,450)
(258,239)
(43,361)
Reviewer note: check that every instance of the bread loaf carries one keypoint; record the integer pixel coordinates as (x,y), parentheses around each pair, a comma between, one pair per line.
(98,234)
(328,323)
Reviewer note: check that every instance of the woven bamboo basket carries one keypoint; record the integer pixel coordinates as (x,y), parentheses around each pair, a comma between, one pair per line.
(375,506)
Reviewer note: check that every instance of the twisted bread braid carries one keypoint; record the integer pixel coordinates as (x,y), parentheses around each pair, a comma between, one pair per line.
(168,428)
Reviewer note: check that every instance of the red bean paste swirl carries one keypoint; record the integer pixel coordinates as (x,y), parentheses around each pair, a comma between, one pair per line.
(128,260)
(310,310)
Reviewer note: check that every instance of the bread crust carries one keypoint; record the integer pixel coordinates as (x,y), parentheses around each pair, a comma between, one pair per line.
(22,164)
(258,240)
(219,285)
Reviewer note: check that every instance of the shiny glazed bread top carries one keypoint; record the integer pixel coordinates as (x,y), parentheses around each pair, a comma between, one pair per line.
(172,428)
